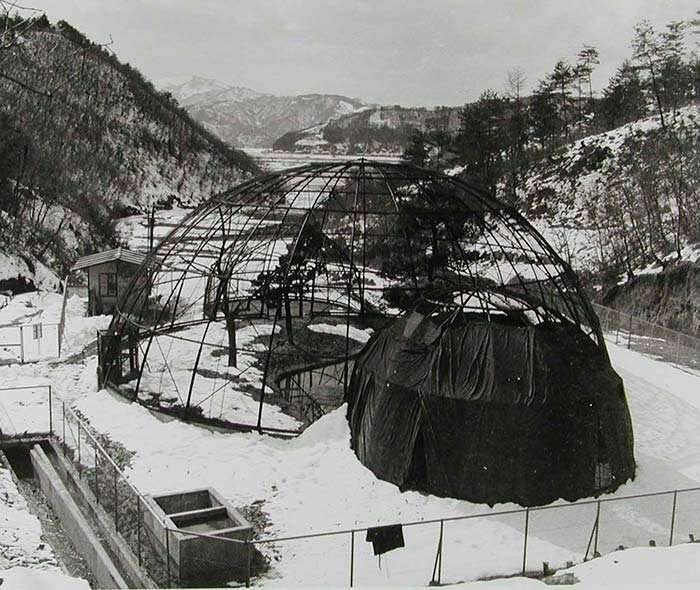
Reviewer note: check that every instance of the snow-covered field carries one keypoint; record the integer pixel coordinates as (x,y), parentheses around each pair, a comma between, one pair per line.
(315,483)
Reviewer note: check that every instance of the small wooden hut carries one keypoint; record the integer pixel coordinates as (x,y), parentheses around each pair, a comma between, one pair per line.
(108,275)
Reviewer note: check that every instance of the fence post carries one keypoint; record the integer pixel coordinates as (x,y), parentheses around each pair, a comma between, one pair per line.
(21,344)
(63,405)
(97,480)
(597,528)
(80,465)
(678,347)
(116,501)
(138,526)
(629,334)
(673,517)
(352,557)
(50,412)
(527,524)
(437,568)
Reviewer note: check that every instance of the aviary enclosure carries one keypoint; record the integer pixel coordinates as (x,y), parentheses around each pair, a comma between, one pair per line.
(262,298)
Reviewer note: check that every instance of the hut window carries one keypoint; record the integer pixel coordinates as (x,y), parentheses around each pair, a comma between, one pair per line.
(108,284)
(37,331)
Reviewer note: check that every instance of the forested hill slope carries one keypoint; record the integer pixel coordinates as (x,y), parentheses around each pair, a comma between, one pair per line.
(626,201)
(624,208)
(85,138)
(378,129)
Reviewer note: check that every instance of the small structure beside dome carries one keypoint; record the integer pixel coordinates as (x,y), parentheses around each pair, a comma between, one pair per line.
(108,275)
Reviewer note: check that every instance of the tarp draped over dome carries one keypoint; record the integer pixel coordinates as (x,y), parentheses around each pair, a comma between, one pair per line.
(489,411)
(254,303)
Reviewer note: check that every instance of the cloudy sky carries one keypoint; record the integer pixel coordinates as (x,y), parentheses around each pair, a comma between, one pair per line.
(410,52)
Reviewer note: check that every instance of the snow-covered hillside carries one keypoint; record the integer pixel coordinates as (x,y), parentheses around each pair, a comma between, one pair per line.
(591,199)
(85,138)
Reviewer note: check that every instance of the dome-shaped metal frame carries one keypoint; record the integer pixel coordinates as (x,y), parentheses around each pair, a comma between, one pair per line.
(279,281)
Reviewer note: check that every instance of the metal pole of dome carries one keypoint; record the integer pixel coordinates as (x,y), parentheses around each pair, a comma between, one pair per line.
(360,178)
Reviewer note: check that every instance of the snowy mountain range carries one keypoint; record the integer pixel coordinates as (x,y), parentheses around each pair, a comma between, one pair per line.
(246,118)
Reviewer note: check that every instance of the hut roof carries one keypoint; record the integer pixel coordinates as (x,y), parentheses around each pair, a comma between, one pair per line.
(122,254)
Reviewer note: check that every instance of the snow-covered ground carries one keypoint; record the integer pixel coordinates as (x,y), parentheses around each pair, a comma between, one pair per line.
(638,568)
(315,483)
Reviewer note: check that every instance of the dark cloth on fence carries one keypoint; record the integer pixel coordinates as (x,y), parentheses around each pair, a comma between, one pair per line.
(385,538)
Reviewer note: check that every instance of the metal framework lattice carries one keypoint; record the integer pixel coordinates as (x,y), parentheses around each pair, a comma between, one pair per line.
(259,300)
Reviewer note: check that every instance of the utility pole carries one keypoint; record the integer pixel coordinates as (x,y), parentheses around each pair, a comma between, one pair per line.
(151,227)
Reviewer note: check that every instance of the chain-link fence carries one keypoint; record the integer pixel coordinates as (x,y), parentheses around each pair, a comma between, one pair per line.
(532,541)
(648,338)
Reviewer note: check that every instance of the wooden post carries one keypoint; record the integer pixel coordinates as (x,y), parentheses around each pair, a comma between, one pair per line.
(527,523)
(21,344)
(673,517)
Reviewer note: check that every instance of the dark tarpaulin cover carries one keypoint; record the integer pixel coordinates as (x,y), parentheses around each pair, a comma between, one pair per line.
(490,412)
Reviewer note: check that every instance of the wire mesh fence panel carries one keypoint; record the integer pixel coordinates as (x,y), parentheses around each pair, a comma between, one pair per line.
(318,561)
(634,522)
(686,521)
(648,338)
(559,535)
(483,547)
(688,352)
(110,489)
(409,565)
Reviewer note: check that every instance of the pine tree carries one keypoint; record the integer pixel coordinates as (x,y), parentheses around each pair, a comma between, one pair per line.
(561,79)
(481,138)
(623,99)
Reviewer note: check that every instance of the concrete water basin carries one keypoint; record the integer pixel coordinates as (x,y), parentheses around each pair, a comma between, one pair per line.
(189,514)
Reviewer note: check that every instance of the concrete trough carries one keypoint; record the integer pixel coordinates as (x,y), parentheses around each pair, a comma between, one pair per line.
(206,512)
